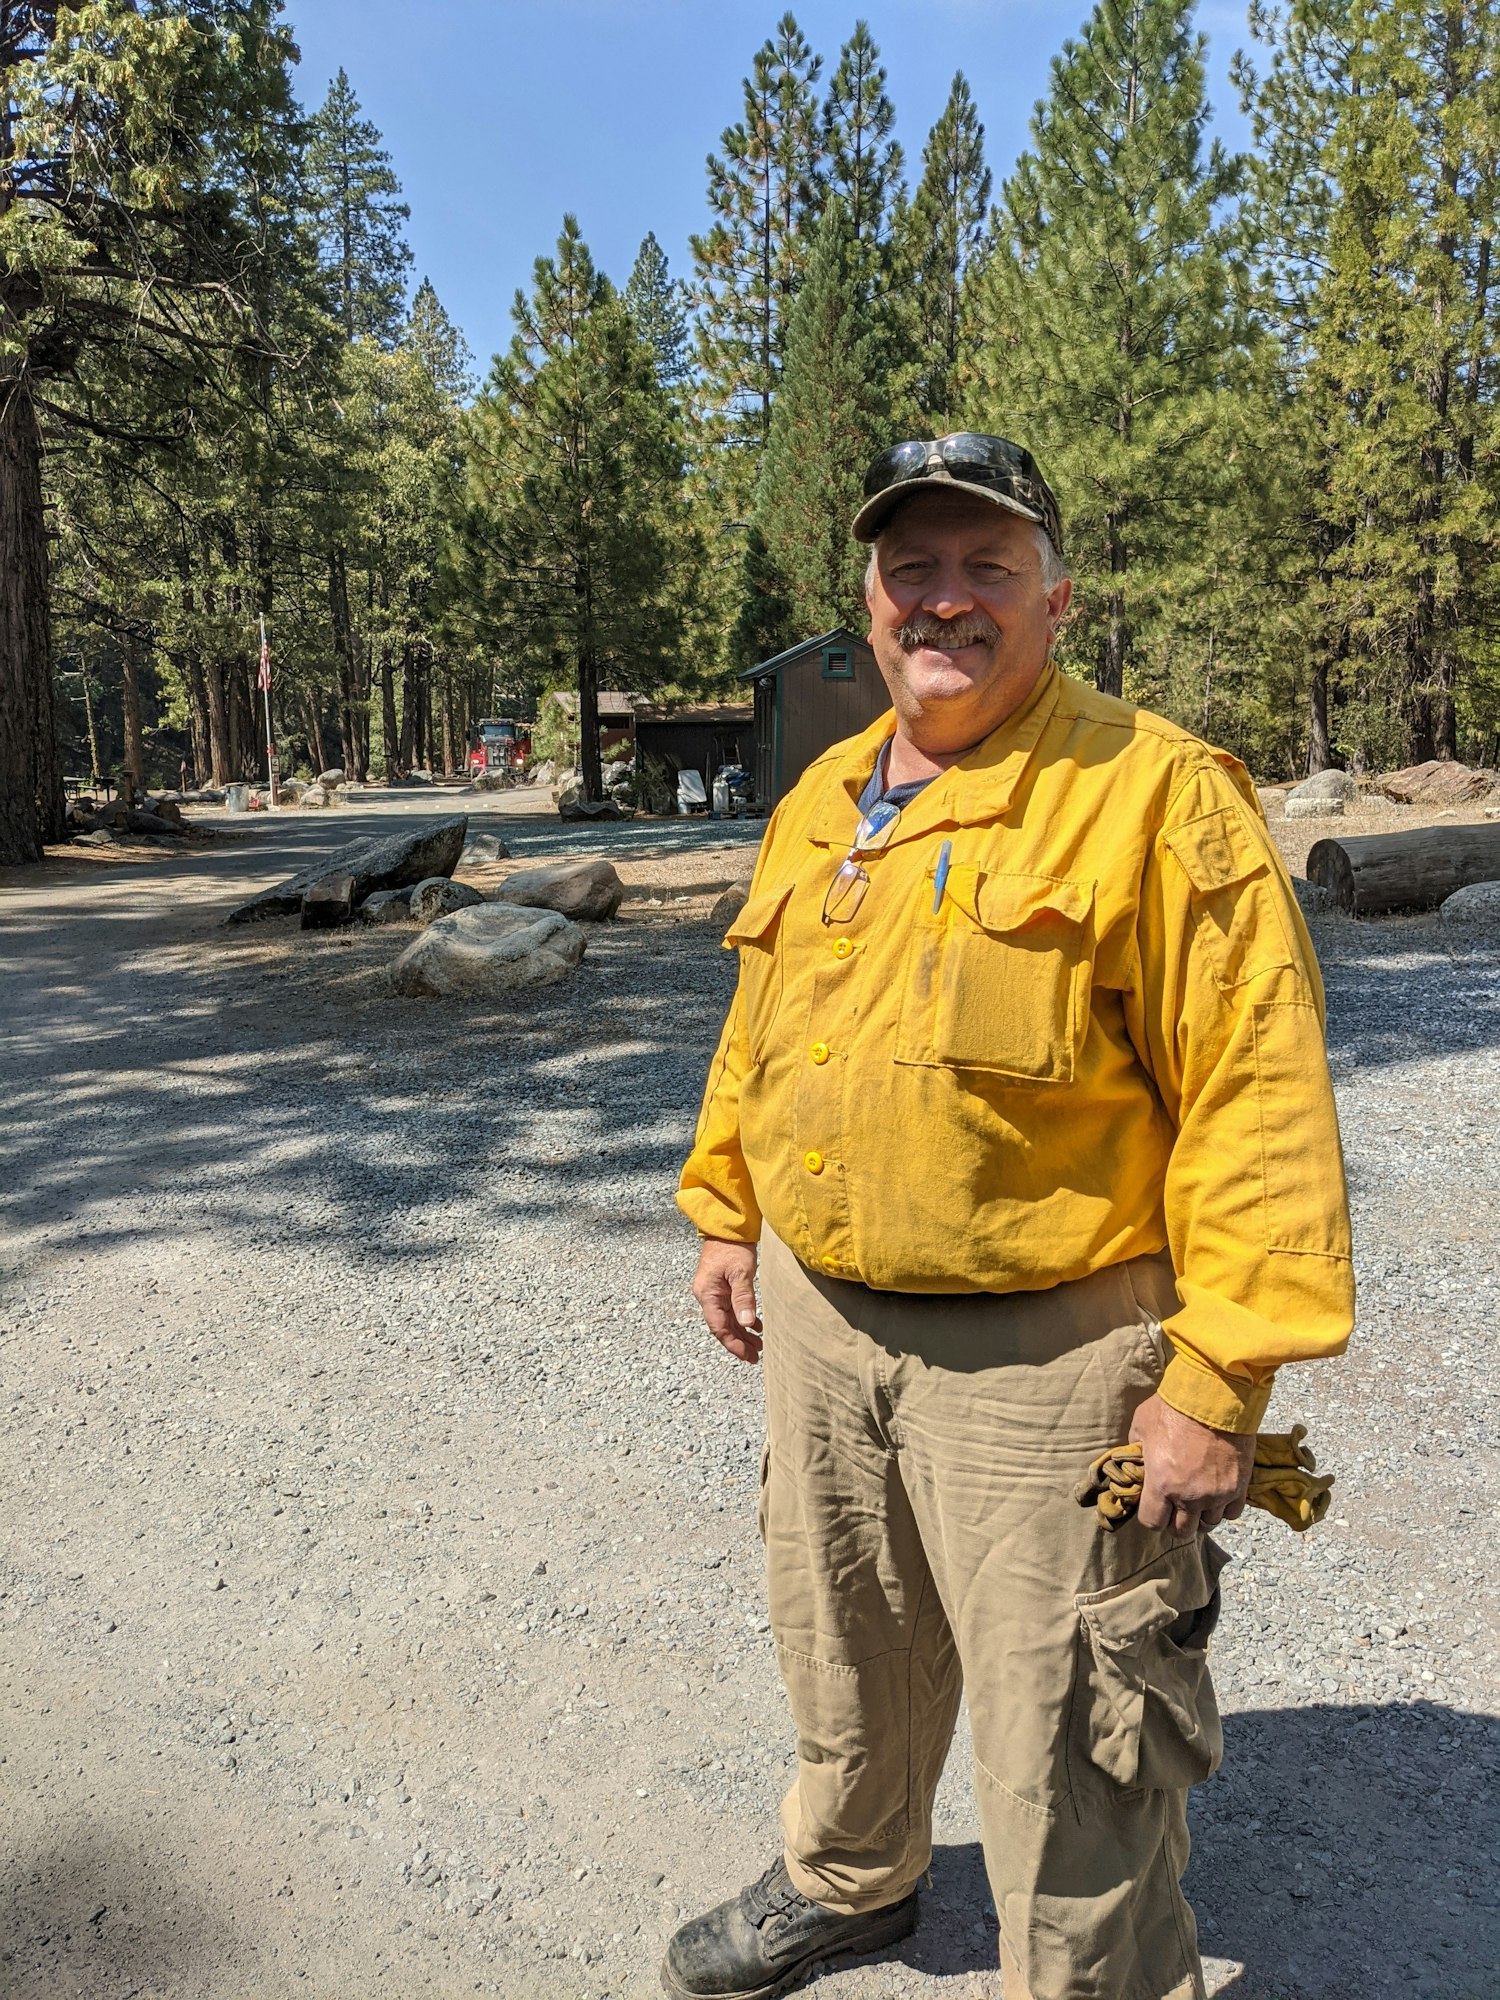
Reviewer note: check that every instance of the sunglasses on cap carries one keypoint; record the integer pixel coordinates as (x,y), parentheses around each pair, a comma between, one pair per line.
(970,458)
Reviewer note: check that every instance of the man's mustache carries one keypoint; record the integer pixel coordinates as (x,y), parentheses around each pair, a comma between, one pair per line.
(973,629)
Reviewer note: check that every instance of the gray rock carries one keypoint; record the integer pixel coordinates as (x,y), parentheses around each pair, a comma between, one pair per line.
(1478,903)
(588,889)
(491,949)
(333,777)
(572,805)
(399,861)
(1326,785)
(729,905)
(101,836)
(1312,900)
(328,903)
(386,906)
(314,795)
(1316,808)
(440,897)
(482,847)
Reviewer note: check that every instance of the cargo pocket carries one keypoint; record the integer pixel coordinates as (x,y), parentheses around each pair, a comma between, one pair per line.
(1144,1707)
(756,932)
(1000,978)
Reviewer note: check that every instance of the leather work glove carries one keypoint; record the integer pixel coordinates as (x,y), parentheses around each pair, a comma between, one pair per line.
(1284,1481)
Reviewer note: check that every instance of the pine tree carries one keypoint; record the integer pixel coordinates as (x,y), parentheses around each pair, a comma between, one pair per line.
(804,569)
(764,191)
(570,548)
(654,301)
(1378,192)
(863,162)
(359,215)
(943,230)
(145,233)
(439,344)
(1108,324)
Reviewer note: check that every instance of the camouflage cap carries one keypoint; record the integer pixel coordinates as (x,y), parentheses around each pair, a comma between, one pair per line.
(991,468)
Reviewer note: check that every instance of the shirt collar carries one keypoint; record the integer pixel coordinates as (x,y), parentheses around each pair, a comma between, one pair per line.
(977,788)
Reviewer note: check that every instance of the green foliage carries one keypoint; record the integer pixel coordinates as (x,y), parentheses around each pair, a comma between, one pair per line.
(358,214)
(571,545)
(803,569)
(863,162)
(1110,332)
(655,301)
(941,236)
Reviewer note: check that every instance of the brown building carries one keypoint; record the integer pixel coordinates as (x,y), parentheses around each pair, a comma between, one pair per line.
(697,736)
(807,698)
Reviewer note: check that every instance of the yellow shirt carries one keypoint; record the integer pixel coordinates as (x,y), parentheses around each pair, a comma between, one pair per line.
(1106,1040)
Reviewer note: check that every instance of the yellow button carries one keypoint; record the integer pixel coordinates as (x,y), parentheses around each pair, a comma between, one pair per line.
(844,948)
(813,1162)
(819,1052)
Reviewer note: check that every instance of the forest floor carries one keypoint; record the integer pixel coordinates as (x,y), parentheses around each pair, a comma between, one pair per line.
(383,1611)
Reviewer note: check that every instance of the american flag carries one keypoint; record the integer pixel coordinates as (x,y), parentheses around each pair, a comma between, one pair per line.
(263,678)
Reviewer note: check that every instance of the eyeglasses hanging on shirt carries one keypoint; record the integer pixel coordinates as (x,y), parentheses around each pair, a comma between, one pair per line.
(847,889)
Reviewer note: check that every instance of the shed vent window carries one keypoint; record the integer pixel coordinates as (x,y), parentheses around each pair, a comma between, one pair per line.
(838,663)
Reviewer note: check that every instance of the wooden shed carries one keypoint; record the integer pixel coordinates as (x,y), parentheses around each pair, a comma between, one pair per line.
(697,736)
(807,698)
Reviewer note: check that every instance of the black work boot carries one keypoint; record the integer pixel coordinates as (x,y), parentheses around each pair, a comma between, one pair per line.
(764,1939)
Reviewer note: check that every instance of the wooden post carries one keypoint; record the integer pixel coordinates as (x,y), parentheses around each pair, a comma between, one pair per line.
(1366,874)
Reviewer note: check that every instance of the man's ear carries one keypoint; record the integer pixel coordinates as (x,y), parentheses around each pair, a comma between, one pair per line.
(1058,599)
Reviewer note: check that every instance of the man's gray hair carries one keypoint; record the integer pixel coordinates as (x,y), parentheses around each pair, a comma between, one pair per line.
(1053,568)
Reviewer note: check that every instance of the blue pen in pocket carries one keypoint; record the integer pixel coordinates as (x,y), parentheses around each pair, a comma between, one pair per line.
(940,875)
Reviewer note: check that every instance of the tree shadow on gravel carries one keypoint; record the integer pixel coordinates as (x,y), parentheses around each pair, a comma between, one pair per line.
(83,1919)
(1349,1853)
(148,1051)
(1404,988)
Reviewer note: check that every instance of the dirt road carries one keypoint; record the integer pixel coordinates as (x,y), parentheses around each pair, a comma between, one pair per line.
(383,1609)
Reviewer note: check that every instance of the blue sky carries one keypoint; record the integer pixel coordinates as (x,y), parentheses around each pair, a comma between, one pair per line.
(501,116)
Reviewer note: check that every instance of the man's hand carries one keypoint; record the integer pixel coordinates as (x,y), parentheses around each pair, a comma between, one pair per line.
(1195,1477)
(724,1287)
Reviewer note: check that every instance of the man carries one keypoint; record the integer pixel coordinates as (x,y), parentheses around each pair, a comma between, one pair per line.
(1023,1099)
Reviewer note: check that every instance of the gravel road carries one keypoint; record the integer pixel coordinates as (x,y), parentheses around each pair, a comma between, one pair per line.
(383,1608)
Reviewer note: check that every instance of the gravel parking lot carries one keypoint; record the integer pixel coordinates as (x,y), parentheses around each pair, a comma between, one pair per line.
(383,1608)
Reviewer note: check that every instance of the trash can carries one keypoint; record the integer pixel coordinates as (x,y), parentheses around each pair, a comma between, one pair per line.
(237,798)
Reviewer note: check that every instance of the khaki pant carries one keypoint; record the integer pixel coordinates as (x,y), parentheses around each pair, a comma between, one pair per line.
(922,1538)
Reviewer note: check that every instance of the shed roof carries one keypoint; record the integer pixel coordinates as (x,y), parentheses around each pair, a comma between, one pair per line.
(700,713)
(840,635)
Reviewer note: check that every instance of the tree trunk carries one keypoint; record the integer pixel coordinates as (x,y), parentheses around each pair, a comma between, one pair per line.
(390,728)
(588,727)
(1319,747)
(408,752)
(32,811)
(313,724)
(1109,676)
(449,766)
(130,703)
(1367,874)
(338,611)
(192,672)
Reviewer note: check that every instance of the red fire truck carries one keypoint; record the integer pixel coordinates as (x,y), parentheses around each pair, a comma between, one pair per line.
(500,744)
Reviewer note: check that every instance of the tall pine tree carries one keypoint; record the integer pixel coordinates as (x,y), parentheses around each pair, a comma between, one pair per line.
(356,201)
(803,569)
(1109,322)
(654,301)
(863,162)
(570,545)
(943,231)
(764,191)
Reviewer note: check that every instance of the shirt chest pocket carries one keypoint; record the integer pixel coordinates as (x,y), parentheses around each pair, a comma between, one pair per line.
(1000,978)
(756,934)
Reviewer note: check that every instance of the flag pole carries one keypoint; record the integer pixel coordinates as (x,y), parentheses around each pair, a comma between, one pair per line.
(265,688)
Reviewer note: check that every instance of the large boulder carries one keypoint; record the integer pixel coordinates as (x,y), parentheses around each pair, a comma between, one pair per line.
(491,949)
(482,848)
(1478,903)
(440,897)
(397,861)
(1314,808)
(729,905)
(328,903)
(386,906)
(1440,782)
(572,805)
(315,795)
(1336,786)
(588,889)
(333,777)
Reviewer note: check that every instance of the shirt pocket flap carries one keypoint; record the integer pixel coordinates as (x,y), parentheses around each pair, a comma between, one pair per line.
(1216,851)
(757,921)
(1004,903)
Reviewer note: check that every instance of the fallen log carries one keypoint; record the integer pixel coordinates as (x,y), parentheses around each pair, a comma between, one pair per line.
(1368,873)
